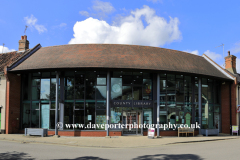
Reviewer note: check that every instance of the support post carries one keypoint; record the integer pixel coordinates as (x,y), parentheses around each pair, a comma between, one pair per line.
(158,102)
(108,101)
(200,103)
(56,103)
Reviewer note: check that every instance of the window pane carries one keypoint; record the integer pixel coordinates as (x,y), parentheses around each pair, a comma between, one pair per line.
(101,92)
(26,115)
(68,114)
(53,88)
(79,105)
(101,81)
(79,117)
(127,79)
(116,88)
(90,85)
(147,116)
(35,82)
(147,89)
(171,118)
(179,90)
(36,93)
(127,93)
(45,89)
(79,80)
(90,114)
(69,88)
(35,105)
(35,119)
(137,80)
(52,119)
(137,93)
(79,94)
(116,115)
(45,113)
(101,105)
(100,119)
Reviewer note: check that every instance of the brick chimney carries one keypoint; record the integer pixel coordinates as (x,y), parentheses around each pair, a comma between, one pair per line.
(23,43)
(230,63)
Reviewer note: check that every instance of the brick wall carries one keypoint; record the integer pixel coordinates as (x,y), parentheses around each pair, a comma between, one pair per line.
(225,110)
(170,133)
(86,133)
(13,100)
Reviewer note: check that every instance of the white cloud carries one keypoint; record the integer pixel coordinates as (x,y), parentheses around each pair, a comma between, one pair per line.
(101,6)
(63,25)
(5,49)
(193,52)
(84,13)
(131,30)
(236,49)
(155,1)
(32,22)
(214,56)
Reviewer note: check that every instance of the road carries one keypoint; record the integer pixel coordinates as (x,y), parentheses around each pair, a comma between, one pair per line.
(224,149)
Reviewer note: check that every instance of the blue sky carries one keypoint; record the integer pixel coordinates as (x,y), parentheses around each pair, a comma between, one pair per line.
(186,25)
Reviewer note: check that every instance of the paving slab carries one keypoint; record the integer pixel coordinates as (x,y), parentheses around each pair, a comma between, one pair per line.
(112,142)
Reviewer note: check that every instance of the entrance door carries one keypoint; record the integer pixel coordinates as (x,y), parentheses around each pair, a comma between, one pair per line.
(131,120)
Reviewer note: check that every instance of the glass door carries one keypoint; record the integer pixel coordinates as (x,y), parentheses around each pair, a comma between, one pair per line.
(131,120)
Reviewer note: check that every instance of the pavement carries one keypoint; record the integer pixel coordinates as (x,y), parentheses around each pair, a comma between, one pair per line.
(112,142)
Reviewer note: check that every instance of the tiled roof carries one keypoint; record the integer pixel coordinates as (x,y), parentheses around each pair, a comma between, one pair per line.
(7,58)
(118,56)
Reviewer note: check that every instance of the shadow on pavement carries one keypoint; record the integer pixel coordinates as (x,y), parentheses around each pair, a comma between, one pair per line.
(15,155)
(86,158)
(169,157)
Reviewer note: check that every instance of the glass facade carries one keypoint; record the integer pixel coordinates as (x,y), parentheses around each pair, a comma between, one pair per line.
(83,98)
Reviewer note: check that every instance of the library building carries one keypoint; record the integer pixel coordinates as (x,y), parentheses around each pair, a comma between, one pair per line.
(95,84)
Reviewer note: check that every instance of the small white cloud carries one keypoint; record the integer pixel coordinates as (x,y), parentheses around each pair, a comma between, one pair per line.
(63,25)
(5,49)
(155,1)
(131,30)
(214,56)
(193,52)
(84,13)
(32,22)
(236,48)
(101,6)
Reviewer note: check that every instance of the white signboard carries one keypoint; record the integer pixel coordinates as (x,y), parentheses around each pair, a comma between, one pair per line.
(151,132)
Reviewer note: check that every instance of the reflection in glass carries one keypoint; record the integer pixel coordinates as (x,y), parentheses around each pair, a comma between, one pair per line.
(101,92)
(69,88)
(79,92)
(137,93)
(45,89)
(36,93)
(127,93)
